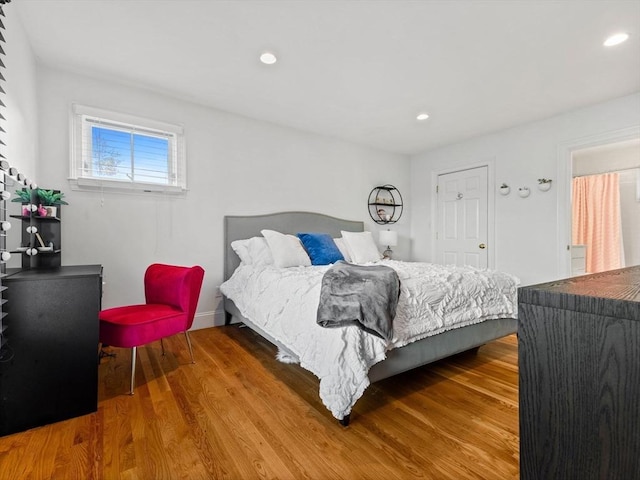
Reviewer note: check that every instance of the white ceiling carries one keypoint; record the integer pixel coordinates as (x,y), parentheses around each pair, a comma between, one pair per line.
(357,70)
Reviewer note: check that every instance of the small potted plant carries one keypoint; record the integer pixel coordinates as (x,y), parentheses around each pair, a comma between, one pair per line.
(504,189)
(544,184)
(23,196)
(50,199)
(524,192)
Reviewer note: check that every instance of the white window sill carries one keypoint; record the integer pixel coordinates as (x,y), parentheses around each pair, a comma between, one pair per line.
(95,185)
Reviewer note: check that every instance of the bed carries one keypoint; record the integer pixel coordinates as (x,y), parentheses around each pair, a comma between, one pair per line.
(384,360)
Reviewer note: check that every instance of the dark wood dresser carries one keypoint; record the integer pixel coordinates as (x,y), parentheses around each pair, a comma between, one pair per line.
(52,332)
(579,366)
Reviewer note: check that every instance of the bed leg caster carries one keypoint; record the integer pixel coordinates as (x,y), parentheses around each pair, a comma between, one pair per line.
(344,421)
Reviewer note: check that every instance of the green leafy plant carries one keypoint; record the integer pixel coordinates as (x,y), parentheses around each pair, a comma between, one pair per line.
(50,197)
(544,180)
(23,195)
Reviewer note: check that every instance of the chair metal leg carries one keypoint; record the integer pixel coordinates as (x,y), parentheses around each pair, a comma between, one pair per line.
(133,368)
(186,334)
(162,346)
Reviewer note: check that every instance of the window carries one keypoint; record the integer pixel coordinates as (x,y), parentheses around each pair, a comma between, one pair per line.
(113,150)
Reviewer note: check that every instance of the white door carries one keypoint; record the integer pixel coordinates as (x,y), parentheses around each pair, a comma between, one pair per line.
(461,238)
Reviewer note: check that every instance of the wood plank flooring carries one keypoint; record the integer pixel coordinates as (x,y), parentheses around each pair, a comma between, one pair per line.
(240,414)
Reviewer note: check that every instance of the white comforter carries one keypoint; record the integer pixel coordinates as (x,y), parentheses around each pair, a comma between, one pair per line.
(433,298)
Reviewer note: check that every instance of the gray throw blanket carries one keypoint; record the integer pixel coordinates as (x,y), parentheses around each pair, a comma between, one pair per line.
(366,296)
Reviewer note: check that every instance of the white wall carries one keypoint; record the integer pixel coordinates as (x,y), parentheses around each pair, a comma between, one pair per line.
(528,232)
(21,99)
(21,110)
(236,166)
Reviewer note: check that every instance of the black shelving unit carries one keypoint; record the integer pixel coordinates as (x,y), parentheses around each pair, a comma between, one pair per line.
(385,204)
(49,229)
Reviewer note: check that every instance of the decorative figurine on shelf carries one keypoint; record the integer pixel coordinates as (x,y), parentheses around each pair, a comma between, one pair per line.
(42,211)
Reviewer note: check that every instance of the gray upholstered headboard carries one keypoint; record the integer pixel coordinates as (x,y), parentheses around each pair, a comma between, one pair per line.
(241,227)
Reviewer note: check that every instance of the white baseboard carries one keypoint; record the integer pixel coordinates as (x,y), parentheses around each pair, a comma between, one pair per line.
(208,320)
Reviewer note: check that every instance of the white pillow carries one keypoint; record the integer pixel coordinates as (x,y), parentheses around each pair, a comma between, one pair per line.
(342,246)
(287,250)
(362,248)
(253,251)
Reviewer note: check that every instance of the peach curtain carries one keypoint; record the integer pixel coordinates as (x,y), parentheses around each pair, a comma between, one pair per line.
(596,220)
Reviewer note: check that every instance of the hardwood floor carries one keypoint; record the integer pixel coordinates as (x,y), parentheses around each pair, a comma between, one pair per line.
(240,414)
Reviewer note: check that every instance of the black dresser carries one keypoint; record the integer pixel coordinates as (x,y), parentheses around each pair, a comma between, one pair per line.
(579,366)
(52,331)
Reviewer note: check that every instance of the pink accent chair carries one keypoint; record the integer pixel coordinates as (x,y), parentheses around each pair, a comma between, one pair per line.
(171,294)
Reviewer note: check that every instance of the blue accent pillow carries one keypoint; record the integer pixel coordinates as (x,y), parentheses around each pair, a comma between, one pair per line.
(321,248)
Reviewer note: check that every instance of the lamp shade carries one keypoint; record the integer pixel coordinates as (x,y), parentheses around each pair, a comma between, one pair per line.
(389,238)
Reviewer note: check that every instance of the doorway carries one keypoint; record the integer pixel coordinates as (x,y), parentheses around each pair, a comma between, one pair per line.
(606,205)
(462,217)
(566,151)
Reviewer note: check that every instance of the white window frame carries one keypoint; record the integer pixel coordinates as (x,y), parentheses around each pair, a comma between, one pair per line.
(84,117)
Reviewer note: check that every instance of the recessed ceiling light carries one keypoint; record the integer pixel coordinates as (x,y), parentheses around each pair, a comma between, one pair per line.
(616,39)
(268,58)
(422,116)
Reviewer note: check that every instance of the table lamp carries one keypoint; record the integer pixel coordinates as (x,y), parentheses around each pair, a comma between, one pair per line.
(390,239)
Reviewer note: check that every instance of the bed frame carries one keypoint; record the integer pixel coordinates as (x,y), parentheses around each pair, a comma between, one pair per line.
(398,360)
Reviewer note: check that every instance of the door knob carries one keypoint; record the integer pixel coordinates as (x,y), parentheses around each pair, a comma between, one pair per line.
(482,246)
